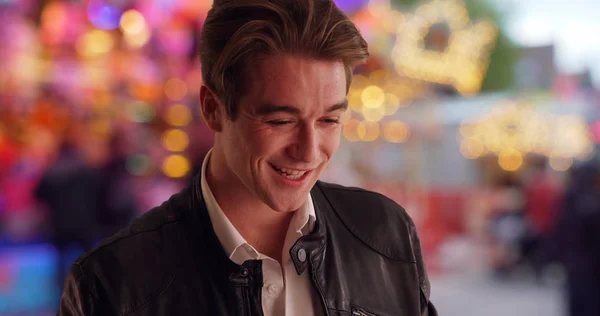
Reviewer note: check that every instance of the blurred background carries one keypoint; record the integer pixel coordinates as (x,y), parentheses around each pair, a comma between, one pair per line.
(480,117)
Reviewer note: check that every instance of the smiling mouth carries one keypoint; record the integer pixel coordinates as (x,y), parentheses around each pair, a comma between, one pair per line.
(289,173)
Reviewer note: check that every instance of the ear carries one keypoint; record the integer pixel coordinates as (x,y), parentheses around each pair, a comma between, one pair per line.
(211,109)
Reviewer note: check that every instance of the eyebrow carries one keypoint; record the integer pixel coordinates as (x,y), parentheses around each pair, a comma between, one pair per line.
(267,109)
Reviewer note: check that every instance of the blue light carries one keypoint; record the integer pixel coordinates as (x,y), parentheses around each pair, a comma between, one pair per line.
(351,6)
(104,16)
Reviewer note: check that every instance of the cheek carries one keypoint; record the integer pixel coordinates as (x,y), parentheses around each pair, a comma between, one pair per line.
(330,142)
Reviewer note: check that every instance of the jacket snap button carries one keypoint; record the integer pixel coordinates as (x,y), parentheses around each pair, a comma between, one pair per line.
(244,272)
(302,255)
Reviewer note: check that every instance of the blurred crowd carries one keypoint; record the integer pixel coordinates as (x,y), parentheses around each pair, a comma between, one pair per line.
(538,222)
(85,140)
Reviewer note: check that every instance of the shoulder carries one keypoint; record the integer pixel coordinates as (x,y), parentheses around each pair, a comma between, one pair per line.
(142,233)
(372,217)
(137,255)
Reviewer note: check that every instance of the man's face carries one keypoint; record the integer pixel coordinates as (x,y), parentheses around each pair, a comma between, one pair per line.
(287,128)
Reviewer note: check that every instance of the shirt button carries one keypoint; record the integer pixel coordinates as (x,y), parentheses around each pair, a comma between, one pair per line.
(302,255)
(244,272)
(272,289)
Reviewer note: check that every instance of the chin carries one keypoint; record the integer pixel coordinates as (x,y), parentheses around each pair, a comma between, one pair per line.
(285,206)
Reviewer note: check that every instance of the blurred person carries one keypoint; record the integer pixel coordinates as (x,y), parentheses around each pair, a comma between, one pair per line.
(119,204)
(508,224)
(71,190)
(578,239)
(256,233)
(542,194)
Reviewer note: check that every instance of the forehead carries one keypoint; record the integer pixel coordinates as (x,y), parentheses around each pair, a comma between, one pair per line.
(295,81)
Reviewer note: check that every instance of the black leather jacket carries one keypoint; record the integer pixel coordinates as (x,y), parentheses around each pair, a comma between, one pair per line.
(363,258)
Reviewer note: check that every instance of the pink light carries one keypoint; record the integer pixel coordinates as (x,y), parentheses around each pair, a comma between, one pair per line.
(595,128)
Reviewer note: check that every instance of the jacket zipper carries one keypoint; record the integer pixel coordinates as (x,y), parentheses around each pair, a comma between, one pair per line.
(316,284)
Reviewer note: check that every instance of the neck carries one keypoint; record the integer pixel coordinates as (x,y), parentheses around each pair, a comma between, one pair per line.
(261,226)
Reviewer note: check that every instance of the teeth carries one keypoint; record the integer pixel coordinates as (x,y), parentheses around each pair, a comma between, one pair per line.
(289,173)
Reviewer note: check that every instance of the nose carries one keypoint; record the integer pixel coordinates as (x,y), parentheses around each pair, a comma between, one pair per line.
(306,145)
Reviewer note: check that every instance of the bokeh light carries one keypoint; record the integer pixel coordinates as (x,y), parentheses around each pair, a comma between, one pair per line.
(145,91)
(396,132)
(176,89)
(373,97)
(351,130)
(132,22)
(510,160)
(373,114)
(178,115)
(391,105)
(463,58)
(54,21)
(560,163)
(103,15)
(176,166)
(368,131)
(138,40)
(95,43)
(175,140)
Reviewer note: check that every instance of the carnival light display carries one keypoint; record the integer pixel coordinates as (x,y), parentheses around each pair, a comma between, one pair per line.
(433,44)
(513,130)
(437,43)
(375,96)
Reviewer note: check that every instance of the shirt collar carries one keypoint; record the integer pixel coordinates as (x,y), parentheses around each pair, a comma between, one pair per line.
(236,247)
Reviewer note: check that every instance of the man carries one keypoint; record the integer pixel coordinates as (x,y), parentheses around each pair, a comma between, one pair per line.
(256,233)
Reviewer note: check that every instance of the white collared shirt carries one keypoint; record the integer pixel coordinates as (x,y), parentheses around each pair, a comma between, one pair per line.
(284,291)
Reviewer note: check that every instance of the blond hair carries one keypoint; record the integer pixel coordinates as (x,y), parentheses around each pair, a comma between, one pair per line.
(238,32)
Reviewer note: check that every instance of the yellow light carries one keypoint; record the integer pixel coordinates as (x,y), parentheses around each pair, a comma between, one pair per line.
(373,97)
(510,160)
(396,132)
(472,148)
(392,103)
(355,100)
(368,131)
(175,140)
(373,114)
(428,12)
(139,39)
(95,43)
(560,163)
(351,130)
(176,89)
(178,115)
(393,22)
(465,61)
(379,8)
(132,22)
(176,166)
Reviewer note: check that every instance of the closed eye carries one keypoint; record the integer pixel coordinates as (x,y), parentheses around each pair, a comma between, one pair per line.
(331,121)
(279,122)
